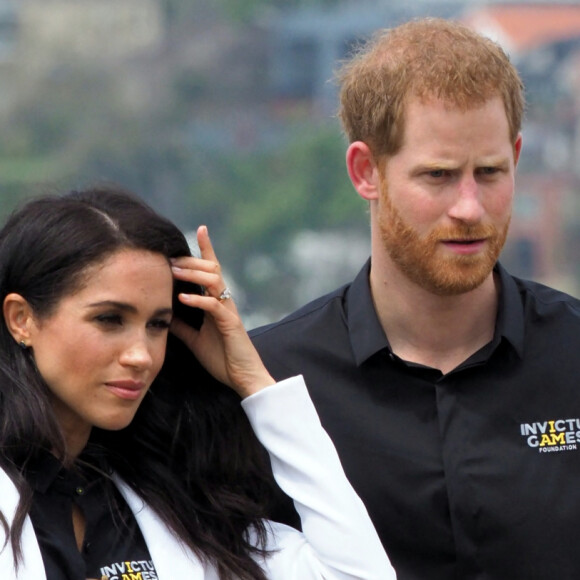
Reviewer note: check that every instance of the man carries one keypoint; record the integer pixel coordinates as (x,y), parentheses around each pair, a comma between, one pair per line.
(450,388)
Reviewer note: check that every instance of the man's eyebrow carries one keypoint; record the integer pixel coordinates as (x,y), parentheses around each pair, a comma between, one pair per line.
(443,164)
(435,166)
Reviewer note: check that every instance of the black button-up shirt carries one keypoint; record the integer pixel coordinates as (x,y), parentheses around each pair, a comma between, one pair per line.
(113,546)
(470,475)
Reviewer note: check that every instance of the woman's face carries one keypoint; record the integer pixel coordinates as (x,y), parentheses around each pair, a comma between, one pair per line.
(103,346)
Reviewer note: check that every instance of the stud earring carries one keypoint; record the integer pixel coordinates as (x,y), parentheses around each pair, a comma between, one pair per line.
(22,345)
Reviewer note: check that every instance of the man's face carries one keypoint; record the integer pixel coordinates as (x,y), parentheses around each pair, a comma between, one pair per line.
(446,196)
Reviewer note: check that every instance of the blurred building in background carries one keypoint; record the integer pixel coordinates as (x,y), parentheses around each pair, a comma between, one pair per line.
(39,35)
(88,29)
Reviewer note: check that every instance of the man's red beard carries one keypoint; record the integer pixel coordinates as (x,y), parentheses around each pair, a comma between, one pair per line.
(421,260)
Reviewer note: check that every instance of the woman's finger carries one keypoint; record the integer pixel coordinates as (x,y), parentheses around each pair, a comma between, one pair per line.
(219,289)
(214,286)
(209,266)
(204,279)
(205,245)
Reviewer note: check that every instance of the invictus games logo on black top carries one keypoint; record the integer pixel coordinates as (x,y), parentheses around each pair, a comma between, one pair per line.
(553,435)
(130,570)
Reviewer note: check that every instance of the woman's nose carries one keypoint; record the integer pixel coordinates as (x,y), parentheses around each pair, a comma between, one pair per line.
(137,354)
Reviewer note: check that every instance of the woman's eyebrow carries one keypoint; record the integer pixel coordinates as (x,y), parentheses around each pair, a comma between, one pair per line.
(124,306)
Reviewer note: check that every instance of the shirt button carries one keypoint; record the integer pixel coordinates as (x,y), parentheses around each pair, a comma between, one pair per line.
(80,490)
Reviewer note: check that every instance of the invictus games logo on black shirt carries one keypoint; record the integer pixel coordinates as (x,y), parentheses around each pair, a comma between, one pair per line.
(553,435)
(130,570)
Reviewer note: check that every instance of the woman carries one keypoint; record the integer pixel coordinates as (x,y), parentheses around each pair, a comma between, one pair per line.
(123,461)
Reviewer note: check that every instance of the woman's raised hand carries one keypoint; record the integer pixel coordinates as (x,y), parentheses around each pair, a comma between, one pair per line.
(222,344)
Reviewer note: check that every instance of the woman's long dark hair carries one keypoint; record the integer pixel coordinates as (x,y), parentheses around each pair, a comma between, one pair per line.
(190,452)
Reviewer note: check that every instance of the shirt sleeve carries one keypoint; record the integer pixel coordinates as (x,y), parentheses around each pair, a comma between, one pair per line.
(338,541)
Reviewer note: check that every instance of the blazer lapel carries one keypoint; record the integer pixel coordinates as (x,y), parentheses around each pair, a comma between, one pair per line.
(172,559)
(32,568)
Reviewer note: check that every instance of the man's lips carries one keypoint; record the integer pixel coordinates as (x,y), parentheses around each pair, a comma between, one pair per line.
(465,245)
(126,388)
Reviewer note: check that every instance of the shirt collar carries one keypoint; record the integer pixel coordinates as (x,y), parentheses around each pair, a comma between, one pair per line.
(42,471)
(45,470)
(367,336)
(510,320)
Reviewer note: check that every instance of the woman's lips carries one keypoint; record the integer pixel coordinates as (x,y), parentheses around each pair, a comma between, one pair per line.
(126,389)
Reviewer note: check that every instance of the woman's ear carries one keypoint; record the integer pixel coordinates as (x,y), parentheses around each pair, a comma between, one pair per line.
(18,317)
(363,170)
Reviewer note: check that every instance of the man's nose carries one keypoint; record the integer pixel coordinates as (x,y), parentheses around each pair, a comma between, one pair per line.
(467,206)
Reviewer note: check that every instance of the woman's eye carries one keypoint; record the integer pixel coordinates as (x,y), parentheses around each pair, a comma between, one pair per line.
(160,323)
(110,319)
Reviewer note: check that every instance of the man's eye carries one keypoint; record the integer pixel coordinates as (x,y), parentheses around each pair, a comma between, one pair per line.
(436,173)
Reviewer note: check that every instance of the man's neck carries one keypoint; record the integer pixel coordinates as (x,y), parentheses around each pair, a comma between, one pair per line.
(437,331)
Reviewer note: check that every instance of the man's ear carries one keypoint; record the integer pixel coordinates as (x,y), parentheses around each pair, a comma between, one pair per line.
(18,317)
(517,149)
(362,170)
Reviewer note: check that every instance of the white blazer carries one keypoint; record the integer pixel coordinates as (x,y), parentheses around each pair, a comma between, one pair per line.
(338,541)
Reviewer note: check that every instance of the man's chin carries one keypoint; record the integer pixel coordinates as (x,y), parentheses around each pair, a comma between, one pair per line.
(459,278)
